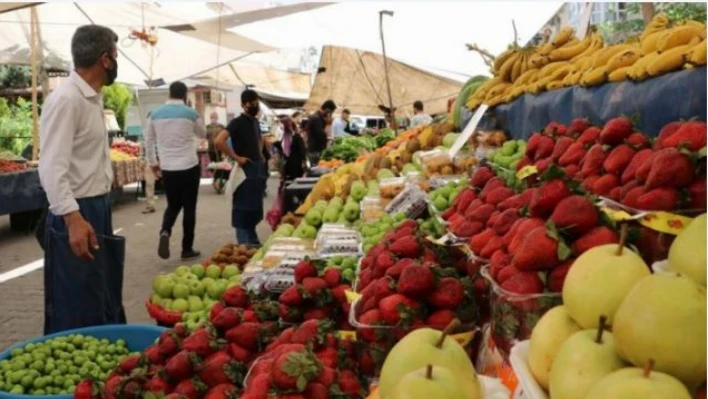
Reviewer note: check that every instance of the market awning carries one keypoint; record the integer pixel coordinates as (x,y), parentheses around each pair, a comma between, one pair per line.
(7,7)
(355,79)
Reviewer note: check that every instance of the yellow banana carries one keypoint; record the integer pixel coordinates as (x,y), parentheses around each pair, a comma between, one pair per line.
(604,55)
(618,74)
(668,61)
(539,60)
(677,36)
(545,49)
(567,52)
(550,68)
(639,69)
(527,76)
(701,27)
(562,72)
(623,59)
(556,84)
(596,43)
(505,70)
(649,42)
(658,23)
(516,68)
(697,55)
(501,58)
(497,90)
(594,76)
(562,37)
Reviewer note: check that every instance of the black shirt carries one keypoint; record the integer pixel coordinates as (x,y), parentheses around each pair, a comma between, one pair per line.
(316,136)
(246,139)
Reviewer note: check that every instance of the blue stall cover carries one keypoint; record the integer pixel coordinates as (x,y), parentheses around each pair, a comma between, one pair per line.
(21,192)
(654,103)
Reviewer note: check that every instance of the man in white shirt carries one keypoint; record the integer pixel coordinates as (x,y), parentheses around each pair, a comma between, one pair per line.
(420,118)
(175,128)
(83,273)
(342,126)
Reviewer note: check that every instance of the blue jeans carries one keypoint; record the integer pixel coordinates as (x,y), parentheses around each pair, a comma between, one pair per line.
(247,237)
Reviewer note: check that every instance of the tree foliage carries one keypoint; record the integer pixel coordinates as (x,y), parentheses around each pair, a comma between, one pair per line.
(118,97)
(15,125)
(15,76)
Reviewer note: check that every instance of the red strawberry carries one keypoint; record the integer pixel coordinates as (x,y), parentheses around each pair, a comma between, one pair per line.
(545,148)
(524,161)
(245,335)
(316,391)
(239,353)
(659,199)
(493,245)
(181,365)
(547,197)
(383,262)
(328,357)
(416,281)
(638,141)
(481,176)
(631,169)
(313,286)
(221,391)
(371,318)
(616,131)
(448,213)
(493,183)
(575,214)
(307,332)
(498,195)
(464,199)
(532,145)
(589,182)
(215,310)
(86,389)
(524,283)
(506,273)
(592,163)
(555,129)
(498,261)
(303,270)
(504,222)
(480,214)
(129,363)
(338,292)
(349,383)
(537,252)
(697,193)
(670,169)
(157,384)
(515,202)
(524,229)
(665,133)
(691,135)
(327,376)
(578,126)
(466,228)
(317,314)
(396,307)
(509,236)
(191,388)
(395,270)
(631,199)
(332,276)
(478,241)
(449,294)
(202,342)
(406,247)
(292,371)
(543,164)
(644,168)
(291,296)
(615,193)
(605,184)
(589,136)
(236,297)
(571,170)
(441,318)
(219,368)
(618,159)
(628,186)
(384,287)
(561,147)
(556,277)
(594,238)
(169,343)
(228,318)
(153,355)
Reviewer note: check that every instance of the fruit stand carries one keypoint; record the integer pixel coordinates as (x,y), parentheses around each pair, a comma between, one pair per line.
(21,196)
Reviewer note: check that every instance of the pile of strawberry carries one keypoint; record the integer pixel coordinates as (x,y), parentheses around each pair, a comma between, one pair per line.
(306,362)
(315,296)
(619,163)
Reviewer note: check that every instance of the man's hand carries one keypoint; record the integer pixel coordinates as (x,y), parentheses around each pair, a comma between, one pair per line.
(242,161)
(82,237)
(156,171)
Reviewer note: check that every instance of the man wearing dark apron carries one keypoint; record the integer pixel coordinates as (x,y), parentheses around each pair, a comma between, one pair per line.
(247,150)
(83,261)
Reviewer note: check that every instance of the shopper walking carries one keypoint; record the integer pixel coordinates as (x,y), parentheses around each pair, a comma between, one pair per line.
(246,149)
(175,127)
(83,261)
(317,137)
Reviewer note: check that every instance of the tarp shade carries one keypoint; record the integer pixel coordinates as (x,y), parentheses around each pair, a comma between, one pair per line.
(275,82)
(6,7)
(653,103)
(356,80)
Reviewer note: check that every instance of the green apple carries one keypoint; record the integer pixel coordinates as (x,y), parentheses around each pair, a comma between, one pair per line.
(321,204)
(230,271)
(546,339)
(156,299)
(235,279)
(358,190)
(598,282)
(157,281)
(633,383)
(286,229)
(664,318)
(431,382)
(584,359)
(198,270)
(207,281)
(313,217)
(196,287)
(213,271)
(195,303)
(167,303)
(423,347)
(180,305)
(349,263)
(309,232)
(330,215)
(182,270)
(180,291)
(351,211)
(217,289)
(440,203)
(165,288)
(687,254)
(190,277)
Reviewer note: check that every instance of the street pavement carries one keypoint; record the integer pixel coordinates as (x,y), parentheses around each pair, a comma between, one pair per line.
(22,295)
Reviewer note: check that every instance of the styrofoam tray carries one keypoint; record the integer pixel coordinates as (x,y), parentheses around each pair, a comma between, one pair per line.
(519,358)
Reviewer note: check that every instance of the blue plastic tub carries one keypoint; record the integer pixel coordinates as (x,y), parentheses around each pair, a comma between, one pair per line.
(136,336)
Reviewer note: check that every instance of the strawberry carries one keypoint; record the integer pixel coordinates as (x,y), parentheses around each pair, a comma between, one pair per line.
(659,199)
(532,145)
(86,389)
(245,335)
(464,199)
(129,363)
(384,287)
(327,376)
(449,212)
(219,368)
(395,270)
(498,261)
(524,161)
(313,286)
(616,131)
(631,169)
(448,294)
(547,197)
(697,194)
(221,391)
(316,391)
(371,318)
(215,310)
(338,292)
(667,131)
(504,222)
(291,296)
(592,163)
(626,187)
(416,281)
(575,214)
(308,332)
(644,168)
(589,182)
(157,384)
(317,314)
(631,199)
(239,353)
(596,237)
(506,239)
(304,269)
(555,129)
(292,371)
(498,195)
(466,228)
(618,159)
(202,342)
(537,252)
(406,247)
(441,318)
(383,262)
(605,184)
(691,135)
(561,147)
(589,136)
(506,273)
(638,141)
(396,307)
(578,126)
(181,365)
(332,276)
(328,357)
(169,343)
(571,170)
(349,384)
(492,183)
(524,283)
(153,355)
(492,246)
(523,230)
(514,202)
(670,169)
(228,318)
(614,194)
(236,297)
(556,277)
(191,388)
(478,241)
(543,164)
(480,214)
(481,176)
(545,148)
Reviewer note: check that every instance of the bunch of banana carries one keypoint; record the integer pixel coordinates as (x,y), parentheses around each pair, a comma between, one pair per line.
(697,55)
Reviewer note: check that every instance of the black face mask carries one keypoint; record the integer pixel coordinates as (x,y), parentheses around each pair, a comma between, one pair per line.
(112,73)
(253,109)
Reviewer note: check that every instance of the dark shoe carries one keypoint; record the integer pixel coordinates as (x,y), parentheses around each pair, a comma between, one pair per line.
(163,249)
(149,210)
(191,254)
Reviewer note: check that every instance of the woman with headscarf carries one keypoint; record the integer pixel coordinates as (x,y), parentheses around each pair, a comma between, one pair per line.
(294,151)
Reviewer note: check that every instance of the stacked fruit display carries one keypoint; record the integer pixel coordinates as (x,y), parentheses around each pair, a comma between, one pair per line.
(127,147)
(373,232)
(337,210)
(117,156)
(509,155)
(648,352)
(231,254)
(442,197)
(7,166)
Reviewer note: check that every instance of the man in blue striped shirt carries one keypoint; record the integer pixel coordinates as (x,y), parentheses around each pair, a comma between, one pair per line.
(175,128)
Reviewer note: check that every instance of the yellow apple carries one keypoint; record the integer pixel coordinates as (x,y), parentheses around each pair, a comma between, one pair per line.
(687,254)
(546,339)
(599,280)
(634,383)
(430,382)
(664,318)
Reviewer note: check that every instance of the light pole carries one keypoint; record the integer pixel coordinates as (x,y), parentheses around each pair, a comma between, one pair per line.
(388,82)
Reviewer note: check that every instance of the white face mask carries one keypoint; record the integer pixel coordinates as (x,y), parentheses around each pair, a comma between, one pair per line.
(214,121)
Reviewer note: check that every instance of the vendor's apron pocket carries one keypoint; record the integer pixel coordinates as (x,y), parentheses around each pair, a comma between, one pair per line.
(81,293)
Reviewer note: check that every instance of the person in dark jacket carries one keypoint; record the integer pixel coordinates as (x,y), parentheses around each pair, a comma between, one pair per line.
(316,135)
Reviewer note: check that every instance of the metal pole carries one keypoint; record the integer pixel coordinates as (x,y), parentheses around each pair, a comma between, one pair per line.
(394,125)
(33,64)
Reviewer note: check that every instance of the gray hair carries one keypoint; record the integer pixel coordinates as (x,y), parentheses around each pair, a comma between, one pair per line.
(89,43)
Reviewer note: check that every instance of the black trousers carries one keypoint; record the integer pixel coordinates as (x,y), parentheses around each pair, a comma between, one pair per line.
(181,190)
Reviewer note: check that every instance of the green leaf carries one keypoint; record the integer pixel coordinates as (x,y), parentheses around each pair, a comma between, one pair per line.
(553,172)
(301,383)
(564,251)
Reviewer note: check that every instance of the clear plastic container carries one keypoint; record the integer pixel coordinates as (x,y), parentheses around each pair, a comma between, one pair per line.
(412,202)
(372,209)
(519,359)
(437,162)
(339,246)
(389,188)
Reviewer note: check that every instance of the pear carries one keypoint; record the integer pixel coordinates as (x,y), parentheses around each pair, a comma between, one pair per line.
(546,339)
(583,359)
(687,254)
(426,346)
(664,318)
(599,280)
(431,382)
(632,383)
